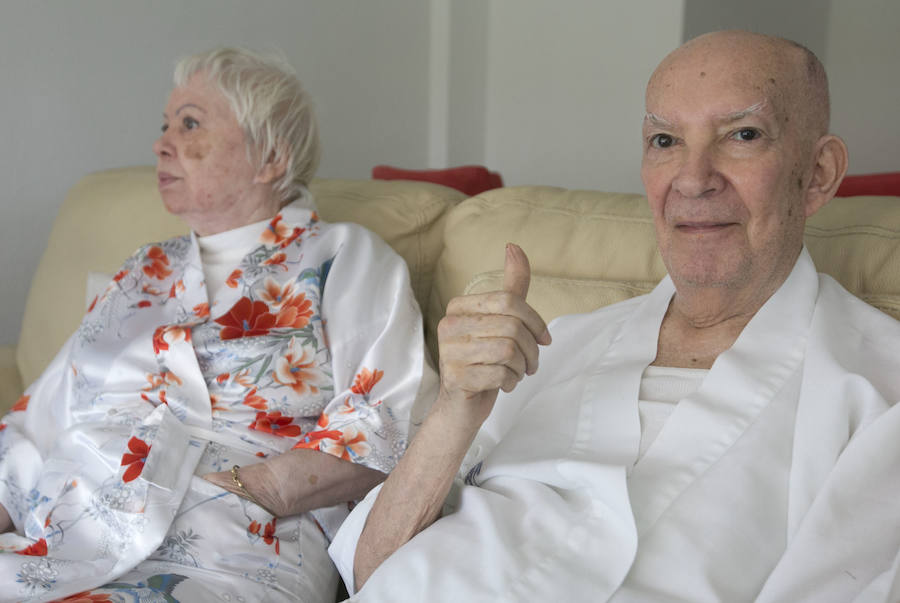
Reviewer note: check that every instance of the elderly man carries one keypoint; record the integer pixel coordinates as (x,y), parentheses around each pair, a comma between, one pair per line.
(731,436)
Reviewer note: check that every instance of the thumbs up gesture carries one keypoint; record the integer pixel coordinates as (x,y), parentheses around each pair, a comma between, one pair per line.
(489,341)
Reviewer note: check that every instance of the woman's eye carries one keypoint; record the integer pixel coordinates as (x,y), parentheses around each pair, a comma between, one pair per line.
(190,123)
(746,134)
(164,127)
(661,141)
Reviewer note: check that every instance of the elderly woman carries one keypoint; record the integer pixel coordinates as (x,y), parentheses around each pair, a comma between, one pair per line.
(273,354)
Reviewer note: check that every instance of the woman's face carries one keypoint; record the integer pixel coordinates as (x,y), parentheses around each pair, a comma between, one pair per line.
(205,175)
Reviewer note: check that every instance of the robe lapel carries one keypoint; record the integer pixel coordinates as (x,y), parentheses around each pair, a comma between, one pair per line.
(741,383)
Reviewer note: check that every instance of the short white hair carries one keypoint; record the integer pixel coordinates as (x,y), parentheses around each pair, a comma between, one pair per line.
(271,106)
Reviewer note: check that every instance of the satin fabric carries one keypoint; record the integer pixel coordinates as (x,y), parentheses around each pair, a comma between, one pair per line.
(777,480)
(314,342)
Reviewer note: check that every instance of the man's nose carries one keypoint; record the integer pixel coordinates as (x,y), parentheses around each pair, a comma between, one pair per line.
(698,175)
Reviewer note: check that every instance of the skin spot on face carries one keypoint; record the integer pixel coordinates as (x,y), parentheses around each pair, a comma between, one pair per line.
(197,150)
(702,74)
(772,80)
(799,183)
(790,211)
(313,479)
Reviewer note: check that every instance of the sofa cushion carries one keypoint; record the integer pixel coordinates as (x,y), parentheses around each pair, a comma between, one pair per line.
(107,215)
(588,248)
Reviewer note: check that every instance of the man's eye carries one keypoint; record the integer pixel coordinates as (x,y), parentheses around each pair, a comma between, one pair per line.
(661,141)
(746,134)
(190,123)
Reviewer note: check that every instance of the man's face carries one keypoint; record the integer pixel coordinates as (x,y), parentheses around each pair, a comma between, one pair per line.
(724,167)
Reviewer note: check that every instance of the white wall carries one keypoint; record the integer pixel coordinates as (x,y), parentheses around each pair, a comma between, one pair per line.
(565,88)
(863,64)
(84,84)
(544,92)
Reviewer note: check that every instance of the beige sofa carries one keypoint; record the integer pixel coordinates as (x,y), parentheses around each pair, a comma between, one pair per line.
(587,248)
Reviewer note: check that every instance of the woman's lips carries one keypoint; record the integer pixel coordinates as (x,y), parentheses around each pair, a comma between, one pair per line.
(164,179)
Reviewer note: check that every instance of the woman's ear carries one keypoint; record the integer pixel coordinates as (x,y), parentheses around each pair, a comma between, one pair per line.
(274,167)
(831,159)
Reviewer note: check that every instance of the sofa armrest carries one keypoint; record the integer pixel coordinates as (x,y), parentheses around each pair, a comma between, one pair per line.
(10,381)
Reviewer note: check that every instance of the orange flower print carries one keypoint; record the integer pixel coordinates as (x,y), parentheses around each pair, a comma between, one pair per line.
(157,268)
(274,294)
(120,275)
(255,401)
(243,378)
(159,379)
(293,237)
(276,424)
(215,404)
(93,303)
(246,318)
(21,403)
(148,290)
(2,426)
(165,335)
(222,378)
(176,288)
(297,369)
(201,310)
(351,445)
(144,304)
(366,380)
(134,459)
(232,280)
(314,439)
(85,597)
(276,260)
(268,534)
(38,549)
(276,232)
(295,313)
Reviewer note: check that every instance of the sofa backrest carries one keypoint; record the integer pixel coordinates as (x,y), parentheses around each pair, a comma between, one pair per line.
(107,215)
(588,248)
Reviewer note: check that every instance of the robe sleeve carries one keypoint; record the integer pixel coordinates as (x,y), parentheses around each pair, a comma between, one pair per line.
(28,432)
(382,380)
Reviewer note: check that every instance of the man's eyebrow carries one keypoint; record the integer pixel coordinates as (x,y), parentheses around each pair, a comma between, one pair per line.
(753,109)
(657,121)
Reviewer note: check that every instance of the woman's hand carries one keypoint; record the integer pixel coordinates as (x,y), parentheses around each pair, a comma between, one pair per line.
(6,523)
(300,480)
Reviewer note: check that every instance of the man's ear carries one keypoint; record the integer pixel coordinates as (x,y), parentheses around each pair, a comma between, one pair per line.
(274,167)
(831,159)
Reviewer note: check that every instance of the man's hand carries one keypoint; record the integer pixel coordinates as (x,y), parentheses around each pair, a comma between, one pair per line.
(487,343)
(490,341)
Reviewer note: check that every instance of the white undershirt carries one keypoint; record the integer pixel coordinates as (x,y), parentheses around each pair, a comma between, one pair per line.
(220,253)
(661,389)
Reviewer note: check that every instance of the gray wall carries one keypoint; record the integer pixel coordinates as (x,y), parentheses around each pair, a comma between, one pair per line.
(84,85)
(544,92)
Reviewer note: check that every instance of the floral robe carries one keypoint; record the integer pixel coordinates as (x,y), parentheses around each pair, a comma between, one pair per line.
(314,342)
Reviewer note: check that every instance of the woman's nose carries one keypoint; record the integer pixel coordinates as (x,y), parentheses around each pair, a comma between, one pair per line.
(162,147)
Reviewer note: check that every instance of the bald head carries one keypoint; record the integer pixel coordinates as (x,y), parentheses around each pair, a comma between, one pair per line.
(786,73)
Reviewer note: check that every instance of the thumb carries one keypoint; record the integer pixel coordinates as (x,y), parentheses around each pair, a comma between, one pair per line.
(516,271)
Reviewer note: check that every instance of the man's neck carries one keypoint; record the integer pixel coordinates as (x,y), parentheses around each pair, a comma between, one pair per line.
(700,325)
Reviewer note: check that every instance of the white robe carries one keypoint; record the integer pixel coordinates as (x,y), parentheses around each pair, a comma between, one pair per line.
(777,481)
(314,342)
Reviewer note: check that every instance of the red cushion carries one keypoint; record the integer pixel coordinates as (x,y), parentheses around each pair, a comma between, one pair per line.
(870,184)
(469,179)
